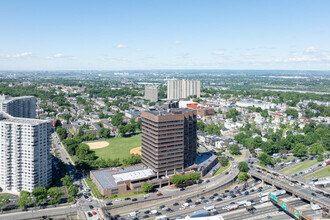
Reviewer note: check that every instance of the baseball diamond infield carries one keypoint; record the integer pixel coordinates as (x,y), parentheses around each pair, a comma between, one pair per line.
(97,145)
(136,150)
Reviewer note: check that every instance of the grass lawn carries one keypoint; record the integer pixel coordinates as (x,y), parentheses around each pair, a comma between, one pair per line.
(299,167)
(72,131)
(119,147)
(222,169)
(290,158)
(91,185)
(325,172)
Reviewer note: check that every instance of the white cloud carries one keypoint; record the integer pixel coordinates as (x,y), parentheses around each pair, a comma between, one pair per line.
(178,42)
(16,56)
(138,50)
(61,56)
(121,46)
(310,49)
(218,52)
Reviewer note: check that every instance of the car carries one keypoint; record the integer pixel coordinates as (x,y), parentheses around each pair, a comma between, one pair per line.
(182,189)
(145,216)
(219,199)
(188,200)
(91,207)
(232,203)
(313,194)
(227,191)
(215,194)
(135,199)
(127,198)
(246,193)
(226,173)
(233,196)
(162,206)
(89,214)
(268,216)
(108,202)
(159,194)
(202,197)
(85,196)
(158,213)
(93,212)
(205,201)
(197,203)
(117,200)
(252,190)
(207,181)
(146,212)
(182,208)
(211,197)
(176,204)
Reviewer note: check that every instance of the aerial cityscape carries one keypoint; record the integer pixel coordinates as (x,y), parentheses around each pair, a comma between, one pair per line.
(204,110)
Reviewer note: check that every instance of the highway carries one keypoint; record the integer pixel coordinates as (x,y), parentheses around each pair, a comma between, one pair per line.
(293,188)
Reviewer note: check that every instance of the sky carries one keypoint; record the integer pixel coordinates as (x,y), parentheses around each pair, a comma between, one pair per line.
(159,34)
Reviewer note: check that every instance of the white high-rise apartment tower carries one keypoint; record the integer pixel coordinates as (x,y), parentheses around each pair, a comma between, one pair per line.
(151,93)
(25,159)
(23,106)
(177,89)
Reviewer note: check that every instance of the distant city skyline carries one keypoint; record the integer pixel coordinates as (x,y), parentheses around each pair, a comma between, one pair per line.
(133,35)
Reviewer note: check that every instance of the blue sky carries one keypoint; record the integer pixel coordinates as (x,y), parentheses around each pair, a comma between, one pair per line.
(171,34)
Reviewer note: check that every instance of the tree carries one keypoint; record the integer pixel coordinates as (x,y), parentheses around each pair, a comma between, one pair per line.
(4,199)
(320,158)
(117,119)
(243,167)
(122,129)
(39,194)
(58,123)
(234,149)
(224,161)
(243,177)
(213,129)
(82,151)
(299,150)
(200,126)
(72,191)
(264,159)
(55,193)
(104,133)
(130,128)
(292,112)
(66,117)
(61,132)
(24,199)
(147,187)
(138,124)
(176,179)
(316,149)
(81,132)
(194,176)
(66,180)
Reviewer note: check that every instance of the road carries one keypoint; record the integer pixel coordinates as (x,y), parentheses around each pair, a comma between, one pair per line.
(284,183)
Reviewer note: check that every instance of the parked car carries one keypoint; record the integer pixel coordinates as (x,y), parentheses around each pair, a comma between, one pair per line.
(159,194)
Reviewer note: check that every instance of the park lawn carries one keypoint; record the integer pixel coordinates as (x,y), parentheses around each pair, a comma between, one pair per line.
(119,147)
(222,169)
(72,131)
(325,172)
(290,158)
(298,167)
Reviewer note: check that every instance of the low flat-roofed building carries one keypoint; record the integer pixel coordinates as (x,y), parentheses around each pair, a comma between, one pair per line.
(123,180)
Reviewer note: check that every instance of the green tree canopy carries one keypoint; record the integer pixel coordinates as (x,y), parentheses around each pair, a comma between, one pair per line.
(264,159)
(243,177)
(61,132)
(147,187)
(234,149)
(24,199)
(316,149)
(292,112)
(243,166)
(39,194)
(117,119)
(299,150)
(55,193)
(4,199)
(224,161)
(201,126)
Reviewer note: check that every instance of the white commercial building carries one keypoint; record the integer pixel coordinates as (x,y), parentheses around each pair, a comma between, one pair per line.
(25,159)
(23,106)
(151,93)
(177,89)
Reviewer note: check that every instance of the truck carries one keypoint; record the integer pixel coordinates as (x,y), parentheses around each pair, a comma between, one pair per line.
(209,207)
(232,207)
(241,202)
(200,213)
(262,194)
(153,212)
(326,163)
(264,199)
(279,192)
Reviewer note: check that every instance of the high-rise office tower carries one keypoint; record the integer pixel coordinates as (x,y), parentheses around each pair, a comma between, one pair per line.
(151,93)
(25,159)
(169,140)
(177,89)
(23,106)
